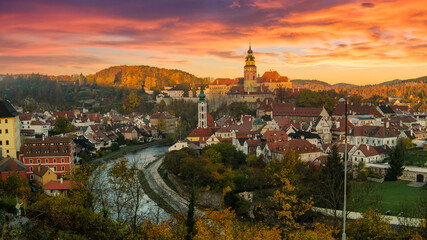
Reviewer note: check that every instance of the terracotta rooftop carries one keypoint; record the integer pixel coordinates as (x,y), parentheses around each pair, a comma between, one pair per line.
(56,185)
(11,164)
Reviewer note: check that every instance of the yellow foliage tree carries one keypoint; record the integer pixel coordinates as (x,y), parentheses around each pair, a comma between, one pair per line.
(223,224)
(287,205)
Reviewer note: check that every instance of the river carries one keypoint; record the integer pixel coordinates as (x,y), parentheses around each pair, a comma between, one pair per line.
(141,158)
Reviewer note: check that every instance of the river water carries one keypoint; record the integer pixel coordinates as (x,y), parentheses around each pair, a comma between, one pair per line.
(141,158)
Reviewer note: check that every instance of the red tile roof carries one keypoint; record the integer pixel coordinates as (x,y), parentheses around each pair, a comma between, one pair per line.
(288,109)
(202,132)
(11,164)
(356,109)
(56,185)
(25,116)
(275,136)
(272,76)
(225,81)
(368,151)
(372,131)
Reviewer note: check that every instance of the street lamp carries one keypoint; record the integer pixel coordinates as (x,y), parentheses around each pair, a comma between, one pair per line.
(344,214)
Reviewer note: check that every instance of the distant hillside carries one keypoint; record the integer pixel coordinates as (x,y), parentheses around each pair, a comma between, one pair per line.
(138,76)
(344,85)
(398,81)
(311,84)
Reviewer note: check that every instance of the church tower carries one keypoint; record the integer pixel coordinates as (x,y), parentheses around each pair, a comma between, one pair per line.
(250,82)
(202,110)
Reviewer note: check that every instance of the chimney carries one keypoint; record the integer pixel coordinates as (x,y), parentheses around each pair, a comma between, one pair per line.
(38,168)
(367,146)
(337,123)
(61,180)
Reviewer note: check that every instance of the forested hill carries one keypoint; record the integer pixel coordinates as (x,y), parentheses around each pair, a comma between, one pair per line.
(319,85)
(138,76)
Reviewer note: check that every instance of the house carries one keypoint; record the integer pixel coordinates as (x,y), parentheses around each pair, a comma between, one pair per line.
(355,110)
(178,146)
(313,138)
(299,114)
(10,136)
(11,165)
(338,128)
(200,135)
(43,175)
(57,153)
(57,188)
(164,122)
(386,111)
(221,86)
(368,154)
(129,133)
(276,150)
(275,136)
(177,91)
(321,127)
(40,128)
(250,145)
(373,136)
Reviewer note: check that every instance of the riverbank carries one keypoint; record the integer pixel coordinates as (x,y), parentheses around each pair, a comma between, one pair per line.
(153,195)
(127,150)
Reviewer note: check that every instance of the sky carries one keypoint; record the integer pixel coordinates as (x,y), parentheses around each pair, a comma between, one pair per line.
(358,42)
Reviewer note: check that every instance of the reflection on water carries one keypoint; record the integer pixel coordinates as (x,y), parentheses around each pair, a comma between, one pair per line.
(149,209)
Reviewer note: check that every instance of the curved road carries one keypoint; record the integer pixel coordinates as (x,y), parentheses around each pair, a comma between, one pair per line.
(159,186)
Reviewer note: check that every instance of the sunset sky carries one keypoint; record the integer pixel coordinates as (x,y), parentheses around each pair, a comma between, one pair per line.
(359,42)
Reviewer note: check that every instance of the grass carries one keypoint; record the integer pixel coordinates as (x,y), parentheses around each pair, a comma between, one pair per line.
(164,174)
(395,196)
(414,157)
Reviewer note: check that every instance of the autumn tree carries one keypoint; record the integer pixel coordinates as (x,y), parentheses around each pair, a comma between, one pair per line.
(288,206)
(62,125)
(87,187)
(132,103)
(370,226)
(117,179)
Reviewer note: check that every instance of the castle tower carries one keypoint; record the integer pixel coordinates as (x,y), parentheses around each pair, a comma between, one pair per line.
(250,82)
(202,110)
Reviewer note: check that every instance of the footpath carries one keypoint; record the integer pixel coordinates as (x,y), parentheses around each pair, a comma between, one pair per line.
(394,220)
(172,198)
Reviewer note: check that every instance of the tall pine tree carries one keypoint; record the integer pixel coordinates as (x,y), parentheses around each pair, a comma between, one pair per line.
(397,159)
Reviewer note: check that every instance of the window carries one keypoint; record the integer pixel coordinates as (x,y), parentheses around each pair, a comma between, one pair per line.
(38,160)
(31,169)
(54,160)
(5,121)
(7,142)
(62,160)
(7,131)
(31,177)
(0,131)
(46,160)
(1,143)
(31,160)
(63,168)
(54,168)
(7,151)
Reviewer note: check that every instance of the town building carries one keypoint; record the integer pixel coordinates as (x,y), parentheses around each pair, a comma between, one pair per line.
(10,166)
(10,135)
(56,153)
(43,175)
